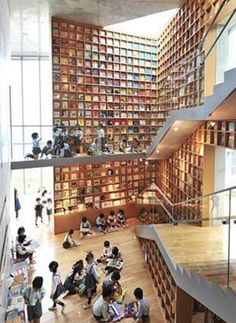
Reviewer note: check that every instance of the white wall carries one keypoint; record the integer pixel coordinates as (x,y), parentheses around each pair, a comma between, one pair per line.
(5,178)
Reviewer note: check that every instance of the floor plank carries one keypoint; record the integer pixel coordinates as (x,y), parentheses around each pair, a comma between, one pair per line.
(134,273)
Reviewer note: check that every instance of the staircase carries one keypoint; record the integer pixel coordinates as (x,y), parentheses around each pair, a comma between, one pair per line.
(219,302)
(187,120)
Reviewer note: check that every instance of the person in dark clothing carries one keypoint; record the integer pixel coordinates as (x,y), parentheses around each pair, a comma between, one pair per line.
(38,211)
(47,150)
(17,203)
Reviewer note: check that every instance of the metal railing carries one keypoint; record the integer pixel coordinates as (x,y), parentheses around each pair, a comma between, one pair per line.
(217,219)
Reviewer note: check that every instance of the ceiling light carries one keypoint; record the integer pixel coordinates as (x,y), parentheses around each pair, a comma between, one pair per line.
(157,151)
(176,128)
(212,124)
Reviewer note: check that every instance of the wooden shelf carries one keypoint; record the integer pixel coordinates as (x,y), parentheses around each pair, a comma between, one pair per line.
(182,175)
(96,72)
(100,185)
(177,87)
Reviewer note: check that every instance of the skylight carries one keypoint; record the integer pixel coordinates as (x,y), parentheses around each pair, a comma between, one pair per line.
(148,26)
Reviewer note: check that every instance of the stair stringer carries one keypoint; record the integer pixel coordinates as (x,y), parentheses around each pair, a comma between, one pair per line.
(218,300)
(221,92)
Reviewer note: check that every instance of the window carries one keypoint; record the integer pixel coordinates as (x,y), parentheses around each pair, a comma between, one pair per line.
(31,102)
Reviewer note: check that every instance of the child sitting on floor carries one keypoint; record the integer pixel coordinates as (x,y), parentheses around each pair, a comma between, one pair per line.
(101,306)
(118,292)
(111,221)
(107,252)
(143,313)
(143,216)
(115,262)
(101,223)
(85,227)
(69,241)
(121,220)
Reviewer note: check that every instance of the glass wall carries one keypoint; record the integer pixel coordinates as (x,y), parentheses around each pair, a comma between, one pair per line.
(31,102)
(226,49)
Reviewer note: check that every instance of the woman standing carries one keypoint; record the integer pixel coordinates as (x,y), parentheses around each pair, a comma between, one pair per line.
(17,203)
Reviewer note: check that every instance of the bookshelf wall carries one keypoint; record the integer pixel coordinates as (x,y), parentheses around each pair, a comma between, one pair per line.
(180,74)
(181,176)
(177,305)
(98,186)
(220,133)
(100,76)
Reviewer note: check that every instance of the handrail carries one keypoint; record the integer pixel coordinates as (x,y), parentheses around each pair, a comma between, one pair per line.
(198,51)
(167,211)
(195,198)
(211,24)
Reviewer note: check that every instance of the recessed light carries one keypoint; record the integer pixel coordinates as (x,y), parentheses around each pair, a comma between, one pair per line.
(157,151)
(176,128)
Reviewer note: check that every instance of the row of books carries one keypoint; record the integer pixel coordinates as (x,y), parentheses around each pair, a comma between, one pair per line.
(103,98)
(82,107)
(96,89)
(76,27)
(101,53)
(104,82)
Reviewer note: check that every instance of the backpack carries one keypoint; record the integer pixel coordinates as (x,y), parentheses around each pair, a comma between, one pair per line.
(90,281)
(66,244)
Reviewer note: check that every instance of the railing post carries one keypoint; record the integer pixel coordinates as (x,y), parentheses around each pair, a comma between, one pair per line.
(229,238)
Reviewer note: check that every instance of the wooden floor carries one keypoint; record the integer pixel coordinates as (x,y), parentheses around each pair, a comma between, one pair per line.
(134,273)
(202,249)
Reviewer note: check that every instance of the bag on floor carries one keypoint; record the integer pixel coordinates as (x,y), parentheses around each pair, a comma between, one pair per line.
(66,245)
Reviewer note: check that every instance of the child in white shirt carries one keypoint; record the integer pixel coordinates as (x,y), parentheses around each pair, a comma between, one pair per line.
(143,305)
(111,221)
(107,252)
(91,279)
(57,287)
(33,297)
(121,220)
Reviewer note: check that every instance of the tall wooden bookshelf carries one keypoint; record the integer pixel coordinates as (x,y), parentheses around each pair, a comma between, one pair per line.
(100,76)
(220,133)
(180,71)
(177,305)
(99,186)
(181,176)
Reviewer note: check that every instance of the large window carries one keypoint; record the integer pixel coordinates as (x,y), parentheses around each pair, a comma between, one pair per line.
(31,102)
(225,49)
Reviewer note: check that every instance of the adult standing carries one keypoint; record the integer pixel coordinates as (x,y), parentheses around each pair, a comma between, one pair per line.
(17,203)
(78,139)
(100,139)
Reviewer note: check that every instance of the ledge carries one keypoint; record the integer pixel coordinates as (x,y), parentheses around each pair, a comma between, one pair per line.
(24,164)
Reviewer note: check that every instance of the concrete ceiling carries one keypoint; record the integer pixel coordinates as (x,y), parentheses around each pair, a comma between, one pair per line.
(30,19)
(227,110)
(177,134)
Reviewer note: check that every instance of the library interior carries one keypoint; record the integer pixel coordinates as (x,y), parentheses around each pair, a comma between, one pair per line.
(118,161)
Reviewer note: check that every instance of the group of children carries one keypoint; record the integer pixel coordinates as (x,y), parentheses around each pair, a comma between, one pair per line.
(112,223)
(58,147)
(43,202)
(84,281)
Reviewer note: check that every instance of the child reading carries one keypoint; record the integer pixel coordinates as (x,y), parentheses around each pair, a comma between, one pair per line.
(111,221)
(101,306)
(121,220)
(107,252)
(85,227)
(143,305)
